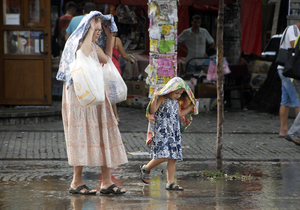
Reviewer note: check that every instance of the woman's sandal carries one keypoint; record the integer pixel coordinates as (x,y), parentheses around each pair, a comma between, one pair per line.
(296,141)
(78,190)
(143,174)
(111,190)
(171,187)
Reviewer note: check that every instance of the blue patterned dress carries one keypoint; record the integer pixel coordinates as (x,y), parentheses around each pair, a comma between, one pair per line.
(167,138)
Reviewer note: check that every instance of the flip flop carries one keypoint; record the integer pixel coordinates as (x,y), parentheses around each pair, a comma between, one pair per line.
(172,187)
(111,190)
(78,190)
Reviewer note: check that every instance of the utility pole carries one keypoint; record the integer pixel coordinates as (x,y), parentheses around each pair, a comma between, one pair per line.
(220,90)
(275,17)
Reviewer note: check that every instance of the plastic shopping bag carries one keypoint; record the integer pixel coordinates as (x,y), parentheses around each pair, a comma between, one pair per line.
(212,69)
(115,87)
(87,80)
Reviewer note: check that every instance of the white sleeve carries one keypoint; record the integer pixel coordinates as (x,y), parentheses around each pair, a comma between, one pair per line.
(181,37)
(290,36)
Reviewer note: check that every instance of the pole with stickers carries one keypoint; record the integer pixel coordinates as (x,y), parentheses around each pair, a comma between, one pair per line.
(163,22)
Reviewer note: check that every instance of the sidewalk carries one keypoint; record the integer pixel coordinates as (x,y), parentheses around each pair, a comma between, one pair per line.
(34,172)
(247,135)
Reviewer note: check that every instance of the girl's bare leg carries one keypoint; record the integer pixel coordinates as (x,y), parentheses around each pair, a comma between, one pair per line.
(77,179)
(152,164)
(171,166)
(106,179)
(171,170)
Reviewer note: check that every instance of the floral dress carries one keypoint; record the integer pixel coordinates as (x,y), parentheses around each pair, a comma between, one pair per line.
(167,138)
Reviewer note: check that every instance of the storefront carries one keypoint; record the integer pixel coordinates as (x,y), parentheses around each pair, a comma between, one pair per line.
(25,56)
(26,26)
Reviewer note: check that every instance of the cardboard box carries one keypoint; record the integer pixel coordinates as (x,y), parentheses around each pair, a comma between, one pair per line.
(257,79)
(136,88)
(140,101)
(129,87)
(207,104)
(206,90)
(192,83)
(260,67)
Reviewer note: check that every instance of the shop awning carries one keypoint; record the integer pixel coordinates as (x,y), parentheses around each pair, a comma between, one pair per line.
(181,2)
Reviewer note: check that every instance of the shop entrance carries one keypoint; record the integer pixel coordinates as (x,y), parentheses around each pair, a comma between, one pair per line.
(25,52)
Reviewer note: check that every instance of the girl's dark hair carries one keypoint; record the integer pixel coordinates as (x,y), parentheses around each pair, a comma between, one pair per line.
(183,96)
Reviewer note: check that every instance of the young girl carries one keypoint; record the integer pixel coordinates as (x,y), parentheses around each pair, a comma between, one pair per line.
(166,135)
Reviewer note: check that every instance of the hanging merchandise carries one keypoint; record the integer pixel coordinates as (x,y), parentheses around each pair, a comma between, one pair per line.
(126,14)
(112,9)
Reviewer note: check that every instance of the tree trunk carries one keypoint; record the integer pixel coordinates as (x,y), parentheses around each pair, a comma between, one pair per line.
(220,90)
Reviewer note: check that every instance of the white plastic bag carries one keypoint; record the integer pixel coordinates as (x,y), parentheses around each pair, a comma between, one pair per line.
(115,86)
(88,81)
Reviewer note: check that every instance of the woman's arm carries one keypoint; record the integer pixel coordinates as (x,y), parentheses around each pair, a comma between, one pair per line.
(109,40)
(155,104)
(86,46)
(108,49)
(101,55)
(122,51)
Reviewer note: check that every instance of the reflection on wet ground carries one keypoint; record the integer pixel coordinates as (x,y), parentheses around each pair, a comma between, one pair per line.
(275,185)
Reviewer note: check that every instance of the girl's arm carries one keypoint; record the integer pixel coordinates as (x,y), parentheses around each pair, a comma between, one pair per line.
(122,51)
(183,112)
(156,103)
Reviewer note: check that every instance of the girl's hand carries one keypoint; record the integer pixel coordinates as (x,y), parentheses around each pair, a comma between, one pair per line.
(156,93)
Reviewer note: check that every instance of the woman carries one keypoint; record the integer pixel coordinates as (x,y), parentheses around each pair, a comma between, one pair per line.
(92,134)
(117,50)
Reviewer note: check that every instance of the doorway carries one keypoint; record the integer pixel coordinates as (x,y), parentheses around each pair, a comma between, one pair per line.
(25,55)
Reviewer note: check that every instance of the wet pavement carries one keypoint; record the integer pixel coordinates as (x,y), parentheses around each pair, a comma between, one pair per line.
(272,185)
(262,169)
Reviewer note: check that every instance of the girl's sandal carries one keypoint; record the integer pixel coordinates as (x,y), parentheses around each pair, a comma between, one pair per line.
(144,174)
(172,187)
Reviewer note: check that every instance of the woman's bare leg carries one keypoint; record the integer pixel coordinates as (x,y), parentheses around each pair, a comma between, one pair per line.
(106,179)
(77,179)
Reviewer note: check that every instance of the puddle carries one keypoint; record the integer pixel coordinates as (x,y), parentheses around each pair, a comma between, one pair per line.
(275,186)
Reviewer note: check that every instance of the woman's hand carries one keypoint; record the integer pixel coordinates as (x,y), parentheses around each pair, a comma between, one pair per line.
(132,60)
(93,25)
(107,30)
